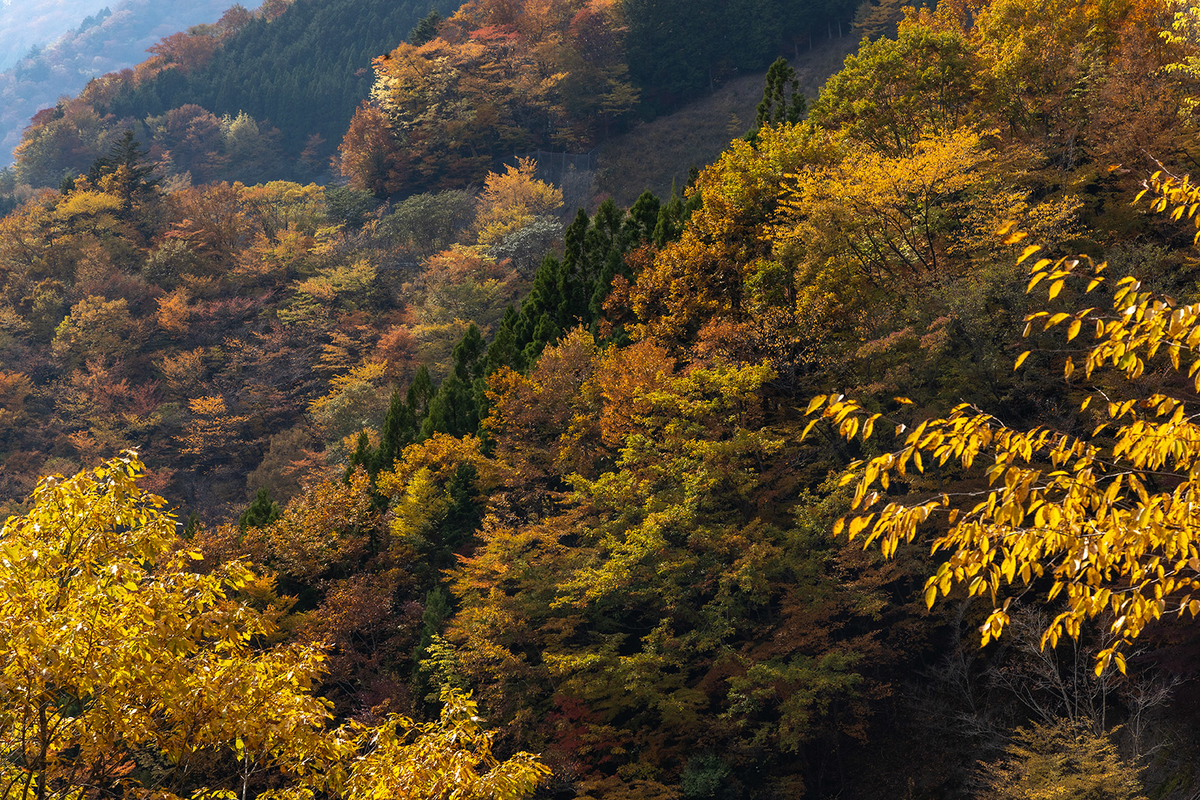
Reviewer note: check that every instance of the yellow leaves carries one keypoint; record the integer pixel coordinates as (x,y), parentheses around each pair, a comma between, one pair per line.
(106,629)
(1094,517)
(879,214)
(87,204)
(512,200)
(1027,252)
(1020,360)
(449,758)
(869,426)
(367,372)
(858,524)
(211,425)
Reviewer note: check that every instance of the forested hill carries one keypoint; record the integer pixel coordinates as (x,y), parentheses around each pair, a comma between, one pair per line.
(80,46)
(272,94)
(252,96)
(302,73)
(867,466)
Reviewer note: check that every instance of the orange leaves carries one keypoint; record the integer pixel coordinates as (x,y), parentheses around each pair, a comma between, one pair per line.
(184,370)
(14,388)
(369,155)
(623,378)
(532,417)
(173,311)
(186,51)
(498,78)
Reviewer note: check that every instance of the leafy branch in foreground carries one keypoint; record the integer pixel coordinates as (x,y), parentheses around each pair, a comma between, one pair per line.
(1110,519)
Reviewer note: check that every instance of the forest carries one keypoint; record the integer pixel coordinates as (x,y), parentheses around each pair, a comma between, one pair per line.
(51,48)
(343,458)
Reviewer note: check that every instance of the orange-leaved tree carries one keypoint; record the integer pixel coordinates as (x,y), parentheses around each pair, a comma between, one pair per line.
(1105,519)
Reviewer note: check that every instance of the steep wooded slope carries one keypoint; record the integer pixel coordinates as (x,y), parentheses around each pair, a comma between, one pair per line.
(595,507)
(114,38)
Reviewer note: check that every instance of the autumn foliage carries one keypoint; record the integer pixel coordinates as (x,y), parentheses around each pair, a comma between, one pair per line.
(435,434)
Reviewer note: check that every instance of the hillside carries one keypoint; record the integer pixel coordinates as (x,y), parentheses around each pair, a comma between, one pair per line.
(653,155)
(271,95)
(67,59)
(35,23)
(302,73)
(867,468)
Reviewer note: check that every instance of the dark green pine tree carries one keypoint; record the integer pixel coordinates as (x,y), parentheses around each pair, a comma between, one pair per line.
(263,511)
(573,241)
(426,30)
(466,510)
(545,332)
(639,224)
(504,350)
(135,181)
(538,322)
(455,407)
(673,214)
(670,219)
(782,99)
(399,430)
(363,456)
(573,287)
(420,392)
(613,236)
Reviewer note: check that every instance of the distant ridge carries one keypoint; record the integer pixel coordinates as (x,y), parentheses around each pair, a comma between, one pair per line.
(79,53)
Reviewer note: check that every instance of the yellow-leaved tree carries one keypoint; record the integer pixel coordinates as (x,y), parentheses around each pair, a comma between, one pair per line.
(122,666)
(1108,521)
(127,673)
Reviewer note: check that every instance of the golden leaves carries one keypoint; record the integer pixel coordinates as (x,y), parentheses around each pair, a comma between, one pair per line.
(1082,511)
(114,647)
(113,644)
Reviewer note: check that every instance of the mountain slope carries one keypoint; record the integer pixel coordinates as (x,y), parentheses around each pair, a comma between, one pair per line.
(102,43)
(33,23)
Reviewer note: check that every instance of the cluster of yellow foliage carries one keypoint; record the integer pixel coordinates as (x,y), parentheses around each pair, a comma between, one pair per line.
(511,201)
(1109,518)
(127,672)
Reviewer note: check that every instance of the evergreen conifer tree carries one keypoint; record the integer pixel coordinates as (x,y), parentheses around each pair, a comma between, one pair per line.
(399,429)
(782,99)
(262,511)
(425,30)
(454,409)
